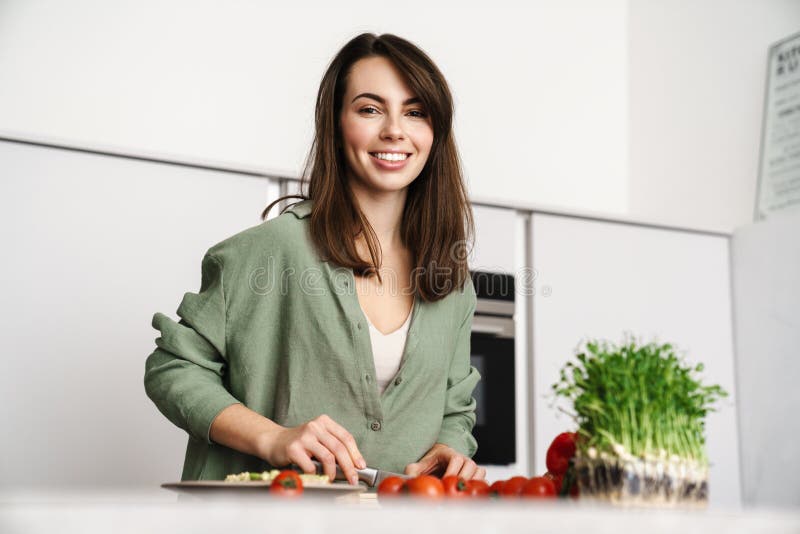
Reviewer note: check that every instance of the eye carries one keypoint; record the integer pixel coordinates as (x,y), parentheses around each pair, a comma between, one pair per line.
(419,113)
(363,110)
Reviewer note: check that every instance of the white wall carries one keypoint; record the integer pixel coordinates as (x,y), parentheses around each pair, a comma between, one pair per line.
(697,80)
(534,83)
(766,290)
(645,107)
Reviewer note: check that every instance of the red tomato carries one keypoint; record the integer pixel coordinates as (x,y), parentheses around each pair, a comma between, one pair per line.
(287,484)
(496,488)
(392,487)
(558,481)
(539,488)
(560,453)
(425,486)
(513,486)
(455,487)
(478,488)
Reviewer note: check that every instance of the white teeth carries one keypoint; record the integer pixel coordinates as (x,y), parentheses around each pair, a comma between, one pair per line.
(388,156)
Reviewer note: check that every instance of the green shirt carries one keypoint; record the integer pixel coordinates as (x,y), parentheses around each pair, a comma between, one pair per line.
(281,331)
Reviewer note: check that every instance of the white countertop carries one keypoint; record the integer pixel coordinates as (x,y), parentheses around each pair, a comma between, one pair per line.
(156,511)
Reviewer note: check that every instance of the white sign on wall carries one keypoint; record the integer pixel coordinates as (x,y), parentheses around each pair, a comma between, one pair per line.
(779,173)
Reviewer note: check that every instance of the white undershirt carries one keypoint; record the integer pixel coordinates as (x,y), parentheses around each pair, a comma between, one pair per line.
(387,351)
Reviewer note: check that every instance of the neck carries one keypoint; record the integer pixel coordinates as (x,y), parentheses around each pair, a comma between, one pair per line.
(384,211)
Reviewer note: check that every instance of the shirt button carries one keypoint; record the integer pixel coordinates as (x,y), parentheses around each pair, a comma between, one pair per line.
(398,380)
(367,378)
(358,325)
(376,425)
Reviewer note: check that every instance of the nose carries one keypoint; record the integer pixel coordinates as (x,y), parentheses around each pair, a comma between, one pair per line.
(392,128)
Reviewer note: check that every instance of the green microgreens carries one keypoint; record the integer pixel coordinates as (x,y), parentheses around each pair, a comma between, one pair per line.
(642,397)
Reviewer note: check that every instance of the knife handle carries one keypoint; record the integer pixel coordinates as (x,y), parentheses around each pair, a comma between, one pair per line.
(367,475)
(321,470)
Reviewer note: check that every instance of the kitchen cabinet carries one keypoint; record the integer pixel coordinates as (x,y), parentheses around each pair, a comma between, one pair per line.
(95,245)
(601,279)
(496,233)
(500,248)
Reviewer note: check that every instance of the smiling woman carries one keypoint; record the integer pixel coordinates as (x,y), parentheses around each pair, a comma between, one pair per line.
(371,365)
(389,132)
(381,98)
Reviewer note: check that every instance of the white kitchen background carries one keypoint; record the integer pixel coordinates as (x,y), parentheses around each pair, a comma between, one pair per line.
(580,117)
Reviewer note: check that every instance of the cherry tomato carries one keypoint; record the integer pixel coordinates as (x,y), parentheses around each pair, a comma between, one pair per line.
(455,487)
(558,481)
(287,484)
(392,487)
(478,488)
(562,481)
(539,488)
(425,486)
(513,486)
(560,453)
(496,488)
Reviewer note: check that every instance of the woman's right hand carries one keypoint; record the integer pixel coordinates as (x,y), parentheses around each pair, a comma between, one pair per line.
(324,439)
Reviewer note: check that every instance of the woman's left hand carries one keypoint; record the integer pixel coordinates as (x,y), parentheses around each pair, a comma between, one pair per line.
(442,460)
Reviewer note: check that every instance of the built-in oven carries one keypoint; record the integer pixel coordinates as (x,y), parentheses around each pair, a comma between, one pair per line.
(492,354)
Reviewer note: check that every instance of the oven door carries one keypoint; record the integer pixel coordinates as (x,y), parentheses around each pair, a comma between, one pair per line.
(492,354)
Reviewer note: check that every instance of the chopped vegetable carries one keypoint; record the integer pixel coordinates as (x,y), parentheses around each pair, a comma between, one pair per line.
(268,476)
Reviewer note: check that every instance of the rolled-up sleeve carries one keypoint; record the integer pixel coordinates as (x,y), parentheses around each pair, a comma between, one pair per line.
(184,375)
(459,409)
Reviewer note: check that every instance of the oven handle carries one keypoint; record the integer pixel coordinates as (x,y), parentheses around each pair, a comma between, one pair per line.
(502,327)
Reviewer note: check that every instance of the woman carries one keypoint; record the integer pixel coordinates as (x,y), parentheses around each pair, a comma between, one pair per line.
(340,329)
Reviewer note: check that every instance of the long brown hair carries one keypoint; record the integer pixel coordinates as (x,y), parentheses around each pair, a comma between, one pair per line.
(437,224)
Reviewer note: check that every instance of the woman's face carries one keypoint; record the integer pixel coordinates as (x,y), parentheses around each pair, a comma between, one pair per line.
(386,132)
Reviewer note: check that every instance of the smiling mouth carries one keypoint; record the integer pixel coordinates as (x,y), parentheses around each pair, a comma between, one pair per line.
(390,156)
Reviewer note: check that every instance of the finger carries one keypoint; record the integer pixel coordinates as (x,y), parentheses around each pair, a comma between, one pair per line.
(420,468)
(298,456)
(325,457)
(425,465)
(480,474)
(468,470)
(455,464)
(413,469)
(345,437)
(342,456)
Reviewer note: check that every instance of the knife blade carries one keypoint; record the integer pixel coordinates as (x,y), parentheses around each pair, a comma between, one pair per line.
(369,475)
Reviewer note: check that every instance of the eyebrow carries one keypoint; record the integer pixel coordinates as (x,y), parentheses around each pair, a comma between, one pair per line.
(412,100)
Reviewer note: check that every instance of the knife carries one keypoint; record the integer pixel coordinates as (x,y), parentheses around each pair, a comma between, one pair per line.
(370,476)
